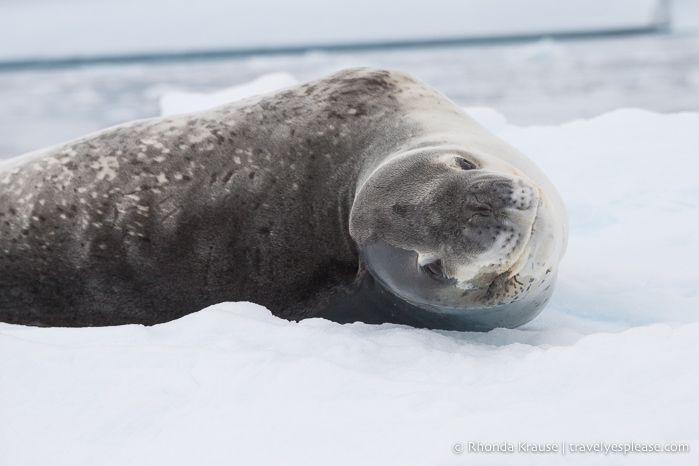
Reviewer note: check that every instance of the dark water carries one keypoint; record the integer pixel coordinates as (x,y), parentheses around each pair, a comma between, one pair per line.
(543,82)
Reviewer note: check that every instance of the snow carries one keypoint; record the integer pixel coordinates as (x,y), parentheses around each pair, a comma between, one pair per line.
(234,385)
(612,359)
(69,28)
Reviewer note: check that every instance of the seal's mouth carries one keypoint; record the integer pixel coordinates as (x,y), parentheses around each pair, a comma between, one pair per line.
(497,284)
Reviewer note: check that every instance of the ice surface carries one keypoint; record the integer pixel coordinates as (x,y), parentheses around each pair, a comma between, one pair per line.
(234,385)
(544,82)
(612,358)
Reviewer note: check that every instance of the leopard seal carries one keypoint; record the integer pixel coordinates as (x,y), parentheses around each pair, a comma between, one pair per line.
(363,196)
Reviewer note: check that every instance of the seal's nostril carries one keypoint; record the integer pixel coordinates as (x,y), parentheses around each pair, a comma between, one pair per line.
(473,207)
(502,189)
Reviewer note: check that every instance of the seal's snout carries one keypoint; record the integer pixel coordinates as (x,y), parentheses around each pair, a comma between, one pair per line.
(500,212)
(489,196)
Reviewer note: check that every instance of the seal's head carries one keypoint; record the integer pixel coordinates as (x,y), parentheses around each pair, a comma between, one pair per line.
(469,241)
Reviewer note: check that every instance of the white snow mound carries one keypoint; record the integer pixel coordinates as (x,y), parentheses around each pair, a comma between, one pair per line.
(174,102)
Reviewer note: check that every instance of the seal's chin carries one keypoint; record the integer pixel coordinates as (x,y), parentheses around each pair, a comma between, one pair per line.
(506,315)
(500,302)
(470,315)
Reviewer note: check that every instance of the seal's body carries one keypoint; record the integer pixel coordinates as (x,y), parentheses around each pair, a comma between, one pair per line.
(362,196)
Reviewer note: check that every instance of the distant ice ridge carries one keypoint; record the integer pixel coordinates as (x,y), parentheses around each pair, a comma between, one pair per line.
(41,29)
(611,359)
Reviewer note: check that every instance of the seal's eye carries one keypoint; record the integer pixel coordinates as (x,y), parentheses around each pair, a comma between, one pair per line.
(434,269)
(465,164)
